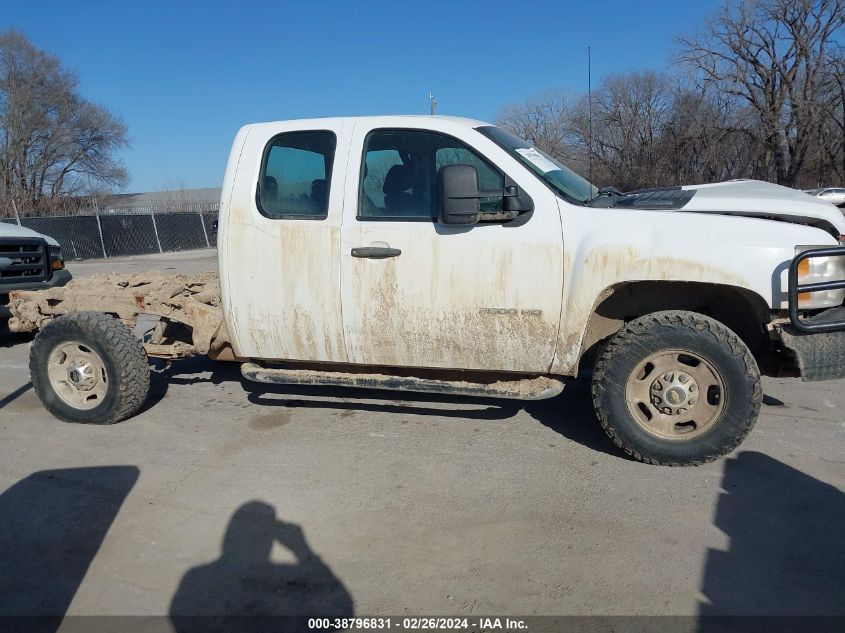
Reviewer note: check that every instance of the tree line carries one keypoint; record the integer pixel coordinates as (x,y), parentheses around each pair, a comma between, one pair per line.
(759,94)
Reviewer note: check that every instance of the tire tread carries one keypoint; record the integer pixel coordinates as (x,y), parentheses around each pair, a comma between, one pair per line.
(125,350)
(673,319)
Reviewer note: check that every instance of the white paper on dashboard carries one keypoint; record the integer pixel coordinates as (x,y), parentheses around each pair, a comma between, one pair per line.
(537,159)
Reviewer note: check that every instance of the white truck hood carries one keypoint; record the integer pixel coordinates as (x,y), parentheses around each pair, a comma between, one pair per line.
(755,198)
(13,230)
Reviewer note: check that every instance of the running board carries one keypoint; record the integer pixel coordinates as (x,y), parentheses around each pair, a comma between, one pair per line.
(537,388)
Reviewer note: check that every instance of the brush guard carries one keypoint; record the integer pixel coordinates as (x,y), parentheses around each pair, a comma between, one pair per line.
(832,320)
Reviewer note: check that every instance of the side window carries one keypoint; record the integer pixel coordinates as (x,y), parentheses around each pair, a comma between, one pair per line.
(296,174)
(399,174)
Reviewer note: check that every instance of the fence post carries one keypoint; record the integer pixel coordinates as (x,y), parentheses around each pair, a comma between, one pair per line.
(204,232)
(155,228)
(100,230)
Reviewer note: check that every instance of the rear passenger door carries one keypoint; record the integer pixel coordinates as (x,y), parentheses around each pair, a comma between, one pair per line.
(418,293)
(281,252)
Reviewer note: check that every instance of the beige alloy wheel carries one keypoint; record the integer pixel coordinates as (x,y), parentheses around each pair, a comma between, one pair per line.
(78,375)
(676,395)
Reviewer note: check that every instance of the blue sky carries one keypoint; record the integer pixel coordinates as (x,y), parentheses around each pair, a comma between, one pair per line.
(186,75)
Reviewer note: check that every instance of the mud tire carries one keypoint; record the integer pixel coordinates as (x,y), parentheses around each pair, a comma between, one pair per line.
(123,360)
(702,336)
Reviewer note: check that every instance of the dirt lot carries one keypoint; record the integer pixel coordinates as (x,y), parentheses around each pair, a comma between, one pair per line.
(230,495)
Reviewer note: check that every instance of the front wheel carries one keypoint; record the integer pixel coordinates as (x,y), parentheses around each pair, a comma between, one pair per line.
(677,388)
(87,367)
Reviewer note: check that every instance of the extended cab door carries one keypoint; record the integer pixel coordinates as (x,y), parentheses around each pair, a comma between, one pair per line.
(420,294)
(280,242)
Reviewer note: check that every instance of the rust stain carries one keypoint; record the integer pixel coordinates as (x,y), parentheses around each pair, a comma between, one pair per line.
(433,312)
(607,266)
(286,300)
(193,300)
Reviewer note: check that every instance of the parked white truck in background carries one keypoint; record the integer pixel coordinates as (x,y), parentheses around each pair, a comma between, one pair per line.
(446,255)
(28,261)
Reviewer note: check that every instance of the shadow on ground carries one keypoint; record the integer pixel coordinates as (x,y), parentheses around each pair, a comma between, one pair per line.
(244,581)
(10,397)
(51,526)
(786,555)
(10,339)
(570,414)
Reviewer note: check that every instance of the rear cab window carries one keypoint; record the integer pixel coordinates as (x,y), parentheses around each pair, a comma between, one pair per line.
(295,175)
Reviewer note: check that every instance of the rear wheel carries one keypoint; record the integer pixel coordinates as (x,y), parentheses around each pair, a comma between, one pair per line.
(677,388)
(88,367)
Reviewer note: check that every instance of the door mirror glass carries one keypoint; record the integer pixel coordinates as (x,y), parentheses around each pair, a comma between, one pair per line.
(458,195)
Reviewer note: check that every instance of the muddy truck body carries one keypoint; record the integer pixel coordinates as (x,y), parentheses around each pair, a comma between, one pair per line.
(445,255)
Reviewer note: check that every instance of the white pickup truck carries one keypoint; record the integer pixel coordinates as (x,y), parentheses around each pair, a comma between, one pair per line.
(28,261)
(446,255)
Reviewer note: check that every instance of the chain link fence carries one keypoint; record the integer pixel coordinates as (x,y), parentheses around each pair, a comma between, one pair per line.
(128,231)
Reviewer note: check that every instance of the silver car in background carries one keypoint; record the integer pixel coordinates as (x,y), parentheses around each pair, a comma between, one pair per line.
(834,195)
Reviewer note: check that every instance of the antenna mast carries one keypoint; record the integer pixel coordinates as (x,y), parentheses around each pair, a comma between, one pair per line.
(590,118)
(432,101)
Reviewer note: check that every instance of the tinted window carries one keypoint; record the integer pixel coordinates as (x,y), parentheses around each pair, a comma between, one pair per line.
(399,178)
(295,175)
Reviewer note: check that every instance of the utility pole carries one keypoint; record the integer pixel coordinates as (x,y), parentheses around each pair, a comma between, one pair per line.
(432,101)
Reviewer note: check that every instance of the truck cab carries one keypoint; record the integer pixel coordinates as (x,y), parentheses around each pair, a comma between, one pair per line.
(447,255)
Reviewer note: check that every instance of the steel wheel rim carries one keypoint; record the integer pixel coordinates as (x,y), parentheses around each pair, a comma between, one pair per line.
(78,375)
(676,395)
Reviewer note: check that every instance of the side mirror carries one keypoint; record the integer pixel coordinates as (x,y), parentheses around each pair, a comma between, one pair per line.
(458,199)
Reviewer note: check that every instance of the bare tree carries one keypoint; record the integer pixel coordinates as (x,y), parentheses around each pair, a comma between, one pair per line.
(772,56)
(630,115)
(832,141)
(543,120)
(54,144)
(708,137)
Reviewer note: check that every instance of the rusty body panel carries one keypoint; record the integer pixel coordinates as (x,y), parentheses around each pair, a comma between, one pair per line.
(529,388)
(485,297)
(192,301)
(608,248)
(280,276)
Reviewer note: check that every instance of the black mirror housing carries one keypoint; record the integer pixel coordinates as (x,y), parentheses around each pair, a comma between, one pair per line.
(458,199)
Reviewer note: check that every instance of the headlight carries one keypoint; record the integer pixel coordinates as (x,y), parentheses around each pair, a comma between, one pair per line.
(57,259)
(818,269)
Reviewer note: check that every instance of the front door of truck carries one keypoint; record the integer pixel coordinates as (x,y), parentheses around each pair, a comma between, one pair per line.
(420,294)
(281,252)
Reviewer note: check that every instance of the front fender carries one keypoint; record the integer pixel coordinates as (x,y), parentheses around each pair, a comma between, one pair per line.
(607,247)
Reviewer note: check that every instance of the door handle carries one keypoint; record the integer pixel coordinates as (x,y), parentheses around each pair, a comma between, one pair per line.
(375,252)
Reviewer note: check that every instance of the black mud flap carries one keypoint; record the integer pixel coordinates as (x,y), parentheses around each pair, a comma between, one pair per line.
(820,356)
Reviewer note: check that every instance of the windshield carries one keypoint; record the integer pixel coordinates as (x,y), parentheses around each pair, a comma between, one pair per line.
(559,177)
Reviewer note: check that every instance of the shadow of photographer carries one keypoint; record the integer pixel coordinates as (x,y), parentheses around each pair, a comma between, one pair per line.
(245,590)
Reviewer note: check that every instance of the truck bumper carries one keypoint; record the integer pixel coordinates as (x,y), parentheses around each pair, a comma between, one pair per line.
(820,355)
(57,279)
